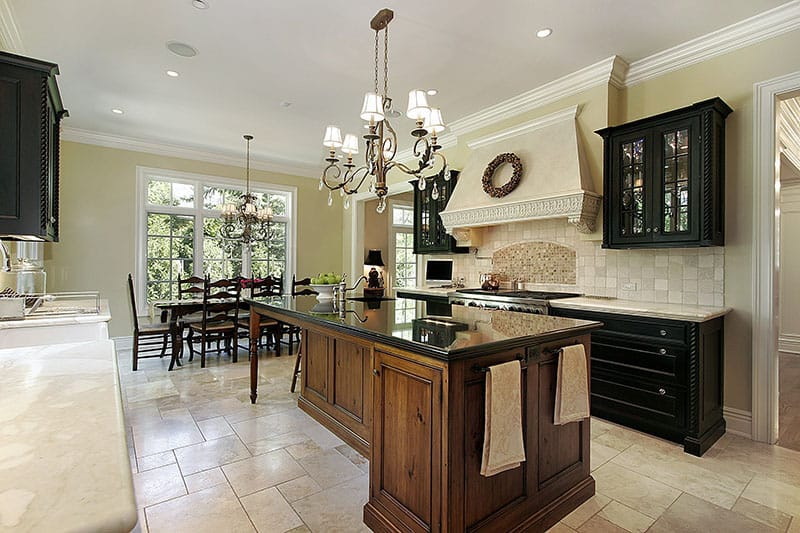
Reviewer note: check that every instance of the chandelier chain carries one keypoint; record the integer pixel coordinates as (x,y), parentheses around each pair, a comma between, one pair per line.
(385,61)
(376,61)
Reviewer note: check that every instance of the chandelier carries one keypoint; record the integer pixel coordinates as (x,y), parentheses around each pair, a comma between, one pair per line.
(381,139)
(246,222)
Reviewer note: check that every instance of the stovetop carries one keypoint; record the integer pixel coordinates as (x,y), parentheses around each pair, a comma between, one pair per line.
(510,293)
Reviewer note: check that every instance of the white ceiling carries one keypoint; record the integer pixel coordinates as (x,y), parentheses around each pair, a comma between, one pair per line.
(254,54)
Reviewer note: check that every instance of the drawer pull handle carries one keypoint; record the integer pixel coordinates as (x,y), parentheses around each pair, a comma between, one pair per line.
(663,351)
(662,391)
(663,332)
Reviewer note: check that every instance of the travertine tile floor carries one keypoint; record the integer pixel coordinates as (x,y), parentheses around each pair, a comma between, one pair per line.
(205,460)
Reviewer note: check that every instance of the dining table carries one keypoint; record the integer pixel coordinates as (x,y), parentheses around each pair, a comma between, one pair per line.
(172,311)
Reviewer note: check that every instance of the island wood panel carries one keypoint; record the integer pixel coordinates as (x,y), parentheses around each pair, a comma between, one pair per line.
(405,473)
(336,385)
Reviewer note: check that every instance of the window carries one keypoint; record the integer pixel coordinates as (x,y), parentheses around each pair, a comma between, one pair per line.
(401,242)
(179,221)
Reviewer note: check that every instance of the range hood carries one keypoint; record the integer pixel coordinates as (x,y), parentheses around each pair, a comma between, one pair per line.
(555,181)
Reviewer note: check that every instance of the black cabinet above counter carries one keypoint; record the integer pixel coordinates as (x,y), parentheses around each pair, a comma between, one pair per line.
(430,235)
(31,111)
(664,179)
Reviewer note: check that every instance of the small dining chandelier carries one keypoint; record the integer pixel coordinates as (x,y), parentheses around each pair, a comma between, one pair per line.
(381,139)
(246,222)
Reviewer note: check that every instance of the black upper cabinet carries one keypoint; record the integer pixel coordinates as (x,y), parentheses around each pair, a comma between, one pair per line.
(664,179)
(430,235)
(30,117)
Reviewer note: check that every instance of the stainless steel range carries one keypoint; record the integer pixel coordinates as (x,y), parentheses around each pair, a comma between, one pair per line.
(536,302)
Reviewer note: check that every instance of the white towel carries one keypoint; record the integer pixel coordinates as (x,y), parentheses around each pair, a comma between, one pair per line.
(572,386)
(503,445)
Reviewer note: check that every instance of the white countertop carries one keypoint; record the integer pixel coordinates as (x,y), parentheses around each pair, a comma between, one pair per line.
(63,455)
(691,313)
(65,320)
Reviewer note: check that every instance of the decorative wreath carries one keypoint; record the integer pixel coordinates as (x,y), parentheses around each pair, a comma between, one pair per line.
(488,175)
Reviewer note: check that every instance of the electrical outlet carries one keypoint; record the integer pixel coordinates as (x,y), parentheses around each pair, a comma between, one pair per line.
(630,286)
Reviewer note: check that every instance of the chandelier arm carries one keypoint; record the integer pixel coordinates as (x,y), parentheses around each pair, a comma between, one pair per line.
(325,177)
(364,174)
(390,139)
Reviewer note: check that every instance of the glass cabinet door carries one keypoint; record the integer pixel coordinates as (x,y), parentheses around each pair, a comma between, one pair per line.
(677,195)
(631,188)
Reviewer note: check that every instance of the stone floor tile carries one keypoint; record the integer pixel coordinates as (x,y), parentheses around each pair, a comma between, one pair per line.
(299,488)
(262,471)
(214,428)
(690,514)
(276,443)
(304,449)
(638,492)
(270,426)
(158,485)
(763,514)
(355,457)
(329,468)
(560,528)
(151,390)
(211,510)
(794,526)
(209,454)
(205,479)
(586,510)
(164,435)
(601,454)
(774,494)
(154,461)
(625,517)
(598,524)
(338,509)
(270,512)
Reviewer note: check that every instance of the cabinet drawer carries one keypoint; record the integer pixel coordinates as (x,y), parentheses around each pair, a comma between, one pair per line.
(656,362)
(659,408)
(626,326)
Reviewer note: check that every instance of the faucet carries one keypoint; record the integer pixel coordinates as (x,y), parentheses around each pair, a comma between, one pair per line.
(341,289)
(6,258)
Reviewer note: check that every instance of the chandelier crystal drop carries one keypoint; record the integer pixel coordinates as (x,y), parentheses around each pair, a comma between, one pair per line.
(246,222)
(380,141)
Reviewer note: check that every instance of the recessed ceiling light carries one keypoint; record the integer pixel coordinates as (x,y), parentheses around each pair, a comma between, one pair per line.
(181,49)
(117,111)
(200,4)
(172,74)
(544,32)
(285,104)
(432,92)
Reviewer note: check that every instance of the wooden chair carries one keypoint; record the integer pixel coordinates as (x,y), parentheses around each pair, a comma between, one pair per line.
(146,337)
(262,288)
(190,288)
(220,318)
(299,288)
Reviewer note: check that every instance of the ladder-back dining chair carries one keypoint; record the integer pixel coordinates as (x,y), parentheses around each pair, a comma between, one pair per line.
(220,318)
(299,288)
(147,337)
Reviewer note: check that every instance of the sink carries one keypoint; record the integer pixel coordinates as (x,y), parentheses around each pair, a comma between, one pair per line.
(364,299)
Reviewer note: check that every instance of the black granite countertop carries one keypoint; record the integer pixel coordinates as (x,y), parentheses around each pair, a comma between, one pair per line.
(404,323)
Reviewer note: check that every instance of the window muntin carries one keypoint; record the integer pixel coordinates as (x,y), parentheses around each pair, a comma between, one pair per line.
(402,242)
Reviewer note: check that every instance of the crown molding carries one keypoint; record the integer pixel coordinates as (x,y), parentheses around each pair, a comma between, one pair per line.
(757,28)
(610,70)
(119,142)
(525,127)
(10,39)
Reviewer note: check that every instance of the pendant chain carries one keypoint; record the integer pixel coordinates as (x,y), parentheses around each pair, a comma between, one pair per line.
(376,61)
(386,62)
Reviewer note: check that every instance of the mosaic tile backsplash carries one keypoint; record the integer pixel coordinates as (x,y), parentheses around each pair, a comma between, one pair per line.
(675,275)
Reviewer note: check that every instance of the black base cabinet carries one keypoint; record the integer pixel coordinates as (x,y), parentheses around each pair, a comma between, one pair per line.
(663,377)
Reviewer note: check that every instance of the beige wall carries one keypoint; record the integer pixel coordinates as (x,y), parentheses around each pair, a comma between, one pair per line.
(98,218)
(730,76)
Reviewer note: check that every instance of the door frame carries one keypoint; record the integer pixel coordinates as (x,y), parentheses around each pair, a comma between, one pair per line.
(766,225)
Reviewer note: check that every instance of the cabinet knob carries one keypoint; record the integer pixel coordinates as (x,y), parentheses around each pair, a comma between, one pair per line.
(655,230)
(52,220)
(663,351)
(375,372)
(663,333)
(662,391)
(649,230)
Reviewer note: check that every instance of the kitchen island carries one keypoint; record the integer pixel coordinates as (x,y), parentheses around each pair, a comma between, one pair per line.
(406,389)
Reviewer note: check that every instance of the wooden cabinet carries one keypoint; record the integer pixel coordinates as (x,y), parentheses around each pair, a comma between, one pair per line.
(430,235)
(336,384)
(30,118)
(428,428)
(664,179)
(663,377)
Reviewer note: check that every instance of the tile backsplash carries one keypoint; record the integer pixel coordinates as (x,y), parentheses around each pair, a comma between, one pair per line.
(550,255)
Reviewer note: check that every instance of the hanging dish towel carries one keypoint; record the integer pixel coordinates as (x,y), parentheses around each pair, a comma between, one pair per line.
(572,386)
(503,447)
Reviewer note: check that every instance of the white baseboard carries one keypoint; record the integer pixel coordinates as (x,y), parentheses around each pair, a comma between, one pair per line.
(123,343)
(738,422)
(789,342)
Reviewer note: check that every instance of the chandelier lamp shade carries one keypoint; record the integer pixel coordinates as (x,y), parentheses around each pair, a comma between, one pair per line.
(380,141)
(246,222)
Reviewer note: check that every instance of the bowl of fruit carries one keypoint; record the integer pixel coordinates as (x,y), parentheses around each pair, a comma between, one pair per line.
(324,284)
